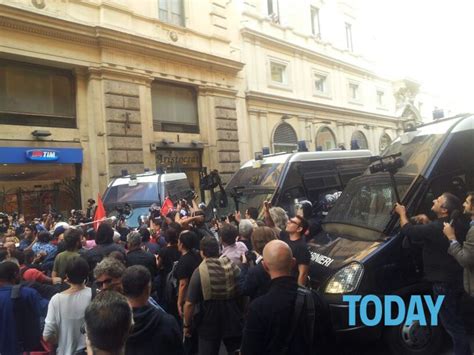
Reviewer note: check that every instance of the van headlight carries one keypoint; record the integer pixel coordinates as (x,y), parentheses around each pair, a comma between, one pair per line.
(345,280)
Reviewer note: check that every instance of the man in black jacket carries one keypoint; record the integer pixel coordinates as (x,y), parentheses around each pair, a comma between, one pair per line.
(154,331)
(272,327)
(440,268)
(137,256)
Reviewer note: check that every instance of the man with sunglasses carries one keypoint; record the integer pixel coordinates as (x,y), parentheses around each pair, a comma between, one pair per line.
(108,274)
(293,235)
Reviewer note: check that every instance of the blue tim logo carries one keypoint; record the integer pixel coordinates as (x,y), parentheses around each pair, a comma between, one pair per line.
(392,310)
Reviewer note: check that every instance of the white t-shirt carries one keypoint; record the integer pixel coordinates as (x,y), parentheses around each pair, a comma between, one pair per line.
(65,318)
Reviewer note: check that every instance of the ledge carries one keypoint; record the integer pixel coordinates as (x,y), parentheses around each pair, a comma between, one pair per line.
(304,104)
(98,36)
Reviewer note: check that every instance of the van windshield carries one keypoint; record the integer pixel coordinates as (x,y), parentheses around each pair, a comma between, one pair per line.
(245,199)
(267,175)
(418,151)
(367,201)
(143,191)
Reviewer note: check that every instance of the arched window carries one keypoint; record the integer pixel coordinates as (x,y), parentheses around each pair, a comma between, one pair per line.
(358,141)
(325,139)
(284,139)
(385,141)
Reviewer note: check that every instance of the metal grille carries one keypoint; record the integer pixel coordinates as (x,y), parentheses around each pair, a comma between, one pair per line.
(285,134)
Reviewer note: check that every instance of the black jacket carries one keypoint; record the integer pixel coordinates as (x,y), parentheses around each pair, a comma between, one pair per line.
(438,265)
(154,332)
(269,320)
(144,258)
(254,280)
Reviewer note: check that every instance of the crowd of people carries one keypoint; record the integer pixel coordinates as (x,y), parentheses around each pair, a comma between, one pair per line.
(175,285)
(181,285)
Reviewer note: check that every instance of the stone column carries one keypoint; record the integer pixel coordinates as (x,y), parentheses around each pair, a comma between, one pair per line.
(254,128)
(227,136)
(96,133)
(265,133)
(124,129)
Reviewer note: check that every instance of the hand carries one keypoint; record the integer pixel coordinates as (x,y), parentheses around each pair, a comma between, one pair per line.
(243,258)
(267,205)
(237,216)
(56,280)
(400,209)
(448,231)
(187,332)
(422,219)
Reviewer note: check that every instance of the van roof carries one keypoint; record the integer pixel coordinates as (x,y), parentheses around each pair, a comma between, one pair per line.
(310,156)
(149,177)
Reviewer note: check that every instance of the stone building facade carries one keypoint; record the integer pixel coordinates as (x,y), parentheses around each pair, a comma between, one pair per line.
(104,87)
(100,87)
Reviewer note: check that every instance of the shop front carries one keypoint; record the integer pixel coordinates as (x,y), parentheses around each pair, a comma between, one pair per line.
(188,161)
(34,180)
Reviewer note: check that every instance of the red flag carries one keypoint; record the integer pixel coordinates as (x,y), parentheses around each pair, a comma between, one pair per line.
(99,212)
(167,206)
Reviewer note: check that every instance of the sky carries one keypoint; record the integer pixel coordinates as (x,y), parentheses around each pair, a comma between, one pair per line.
(431,42)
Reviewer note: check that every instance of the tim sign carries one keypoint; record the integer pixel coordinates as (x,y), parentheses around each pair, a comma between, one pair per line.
(42,155)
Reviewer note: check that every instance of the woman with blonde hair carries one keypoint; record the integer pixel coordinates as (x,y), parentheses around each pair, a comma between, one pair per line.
(254,280)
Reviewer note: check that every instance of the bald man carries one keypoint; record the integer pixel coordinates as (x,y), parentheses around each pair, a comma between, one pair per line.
(271,327)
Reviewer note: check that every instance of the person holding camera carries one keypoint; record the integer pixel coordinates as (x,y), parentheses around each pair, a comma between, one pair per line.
(440,268)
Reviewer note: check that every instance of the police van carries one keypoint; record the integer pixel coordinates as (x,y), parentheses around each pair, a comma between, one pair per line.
(284,179)
(131,196)
(365,253)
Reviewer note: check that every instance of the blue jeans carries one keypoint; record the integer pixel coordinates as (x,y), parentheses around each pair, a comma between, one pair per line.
(450,316)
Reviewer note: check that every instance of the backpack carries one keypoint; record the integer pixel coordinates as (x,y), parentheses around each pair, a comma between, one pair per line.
(171,285)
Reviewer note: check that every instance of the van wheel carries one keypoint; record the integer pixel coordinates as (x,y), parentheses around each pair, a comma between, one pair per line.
(414,339)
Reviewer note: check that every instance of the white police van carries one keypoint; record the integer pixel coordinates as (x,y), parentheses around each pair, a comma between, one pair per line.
(132,195)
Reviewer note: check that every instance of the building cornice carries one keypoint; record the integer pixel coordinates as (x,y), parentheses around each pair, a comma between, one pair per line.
(98,36)
(310,105)
(293,48)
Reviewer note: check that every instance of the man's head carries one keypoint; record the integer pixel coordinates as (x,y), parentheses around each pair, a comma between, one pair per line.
(209,247)
(134,240)
(136,282)
(108,274)
(469,204)
(145,233)
(72,239)
(108,320)
(296,225)
(278,259)
(77,270)
(245,228)
(279,217)
(9,273)
(30,231)
(105,234)
(445,204)
(228,234)
(251,213)
(186,240)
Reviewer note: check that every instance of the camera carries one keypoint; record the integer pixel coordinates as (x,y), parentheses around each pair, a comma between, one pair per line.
(389,164)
